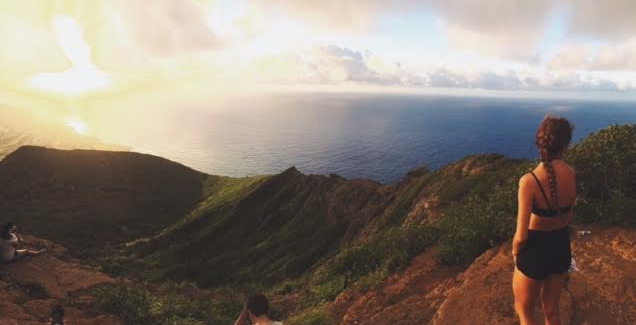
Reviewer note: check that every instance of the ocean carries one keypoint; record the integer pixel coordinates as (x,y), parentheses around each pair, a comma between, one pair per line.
(380,137)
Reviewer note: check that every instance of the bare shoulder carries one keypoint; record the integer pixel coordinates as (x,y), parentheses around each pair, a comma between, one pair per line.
(525,180)
(569,169)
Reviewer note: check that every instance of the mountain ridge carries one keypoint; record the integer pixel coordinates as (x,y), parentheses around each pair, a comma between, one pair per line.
(311,241)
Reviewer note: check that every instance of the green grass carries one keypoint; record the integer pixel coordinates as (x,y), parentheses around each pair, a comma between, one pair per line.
(168,304)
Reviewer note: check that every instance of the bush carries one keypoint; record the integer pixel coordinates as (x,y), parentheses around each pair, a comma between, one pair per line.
(606,175)
(382,255)
(483,221)
(169,304)
(313,316)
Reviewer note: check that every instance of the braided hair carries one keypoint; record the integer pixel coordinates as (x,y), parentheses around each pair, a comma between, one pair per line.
(553,136)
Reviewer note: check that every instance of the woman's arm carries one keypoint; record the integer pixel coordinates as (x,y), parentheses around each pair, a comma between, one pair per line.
(523,214)
(242,320)
(571,213)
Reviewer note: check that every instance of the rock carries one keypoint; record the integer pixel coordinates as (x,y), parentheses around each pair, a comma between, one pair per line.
(603,291)
(59,279)
(407,298)
(485,294)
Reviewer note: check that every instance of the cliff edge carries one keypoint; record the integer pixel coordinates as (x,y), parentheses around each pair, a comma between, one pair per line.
(603,291)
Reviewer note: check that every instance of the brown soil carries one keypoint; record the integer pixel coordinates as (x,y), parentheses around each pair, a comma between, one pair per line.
(31,287)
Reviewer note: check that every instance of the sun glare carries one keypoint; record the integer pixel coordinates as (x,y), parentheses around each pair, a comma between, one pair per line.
(79,126)
(83,76)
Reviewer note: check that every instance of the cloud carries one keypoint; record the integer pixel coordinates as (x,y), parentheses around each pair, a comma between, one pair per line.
(571,57)
(28,43)
(510,28)
(445,79)
(501,28)
(168,27)
(621,56)
(340,65)
(612,20)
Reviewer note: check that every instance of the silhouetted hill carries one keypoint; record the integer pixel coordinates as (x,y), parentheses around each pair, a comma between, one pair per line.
(85,199)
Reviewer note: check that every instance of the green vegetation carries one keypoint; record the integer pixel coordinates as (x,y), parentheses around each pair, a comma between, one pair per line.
(168,304)
(314,316)
(606,175)
(484,220)
(384,254)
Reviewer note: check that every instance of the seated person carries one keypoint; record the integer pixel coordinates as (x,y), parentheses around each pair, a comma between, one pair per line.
(57,315)
(257,311)
(10,244)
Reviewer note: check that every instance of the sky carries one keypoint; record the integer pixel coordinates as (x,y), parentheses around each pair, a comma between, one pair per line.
(74,50)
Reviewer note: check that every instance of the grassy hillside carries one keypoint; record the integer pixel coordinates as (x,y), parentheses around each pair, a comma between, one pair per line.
(270,229)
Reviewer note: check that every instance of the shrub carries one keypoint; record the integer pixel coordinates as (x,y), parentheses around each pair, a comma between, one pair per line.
(168,304)
(483,221)
(382,255)
(313,316)
(606,175)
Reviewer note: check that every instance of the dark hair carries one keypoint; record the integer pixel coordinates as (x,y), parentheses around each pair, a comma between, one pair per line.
(6,230)
(57,315)
(258,305)
(553,136)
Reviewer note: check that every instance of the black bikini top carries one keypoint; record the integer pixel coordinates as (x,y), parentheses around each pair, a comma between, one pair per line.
(549,212)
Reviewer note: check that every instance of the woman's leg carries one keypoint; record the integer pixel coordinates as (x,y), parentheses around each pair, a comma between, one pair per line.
(21,253)
(550,297)
(526,291)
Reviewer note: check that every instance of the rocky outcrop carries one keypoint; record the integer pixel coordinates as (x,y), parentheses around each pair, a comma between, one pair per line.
(407,298)
(31,287)
(603,291)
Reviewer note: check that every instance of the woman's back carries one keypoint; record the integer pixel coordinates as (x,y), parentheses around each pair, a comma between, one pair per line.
(565,180)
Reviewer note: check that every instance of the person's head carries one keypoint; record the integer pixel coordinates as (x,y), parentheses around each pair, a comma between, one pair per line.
(6,230)
(553,137)
(57,315)
(257,306)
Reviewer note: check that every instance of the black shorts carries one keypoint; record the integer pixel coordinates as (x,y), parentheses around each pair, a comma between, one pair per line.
(545,253)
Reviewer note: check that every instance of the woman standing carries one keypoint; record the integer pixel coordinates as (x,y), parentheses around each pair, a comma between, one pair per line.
(541,246)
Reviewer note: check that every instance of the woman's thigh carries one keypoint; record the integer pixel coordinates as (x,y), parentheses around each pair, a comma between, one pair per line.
(525,289)
(551,290)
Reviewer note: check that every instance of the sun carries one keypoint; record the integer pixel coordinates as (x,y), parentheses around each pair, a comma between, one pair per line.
(83,76)
(79,126)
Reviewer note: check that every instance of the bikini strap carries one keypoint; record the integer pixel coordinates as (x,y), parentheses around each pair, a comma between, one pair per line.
(542,191)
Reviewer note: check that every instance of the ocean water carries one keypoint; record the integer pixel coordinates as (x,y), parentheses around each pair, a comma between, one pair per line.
(380,137)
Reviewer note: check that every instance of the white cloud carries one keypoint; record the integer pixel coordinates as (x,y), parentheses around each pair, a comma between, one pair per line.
(337,65)
(571,57)
(621,56)
(28,43)
(494,28)
(168,27)
(605,19)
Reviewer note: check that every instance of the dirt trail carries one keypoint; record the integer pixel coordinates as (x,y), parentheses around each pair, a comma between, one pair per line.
(31,287)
